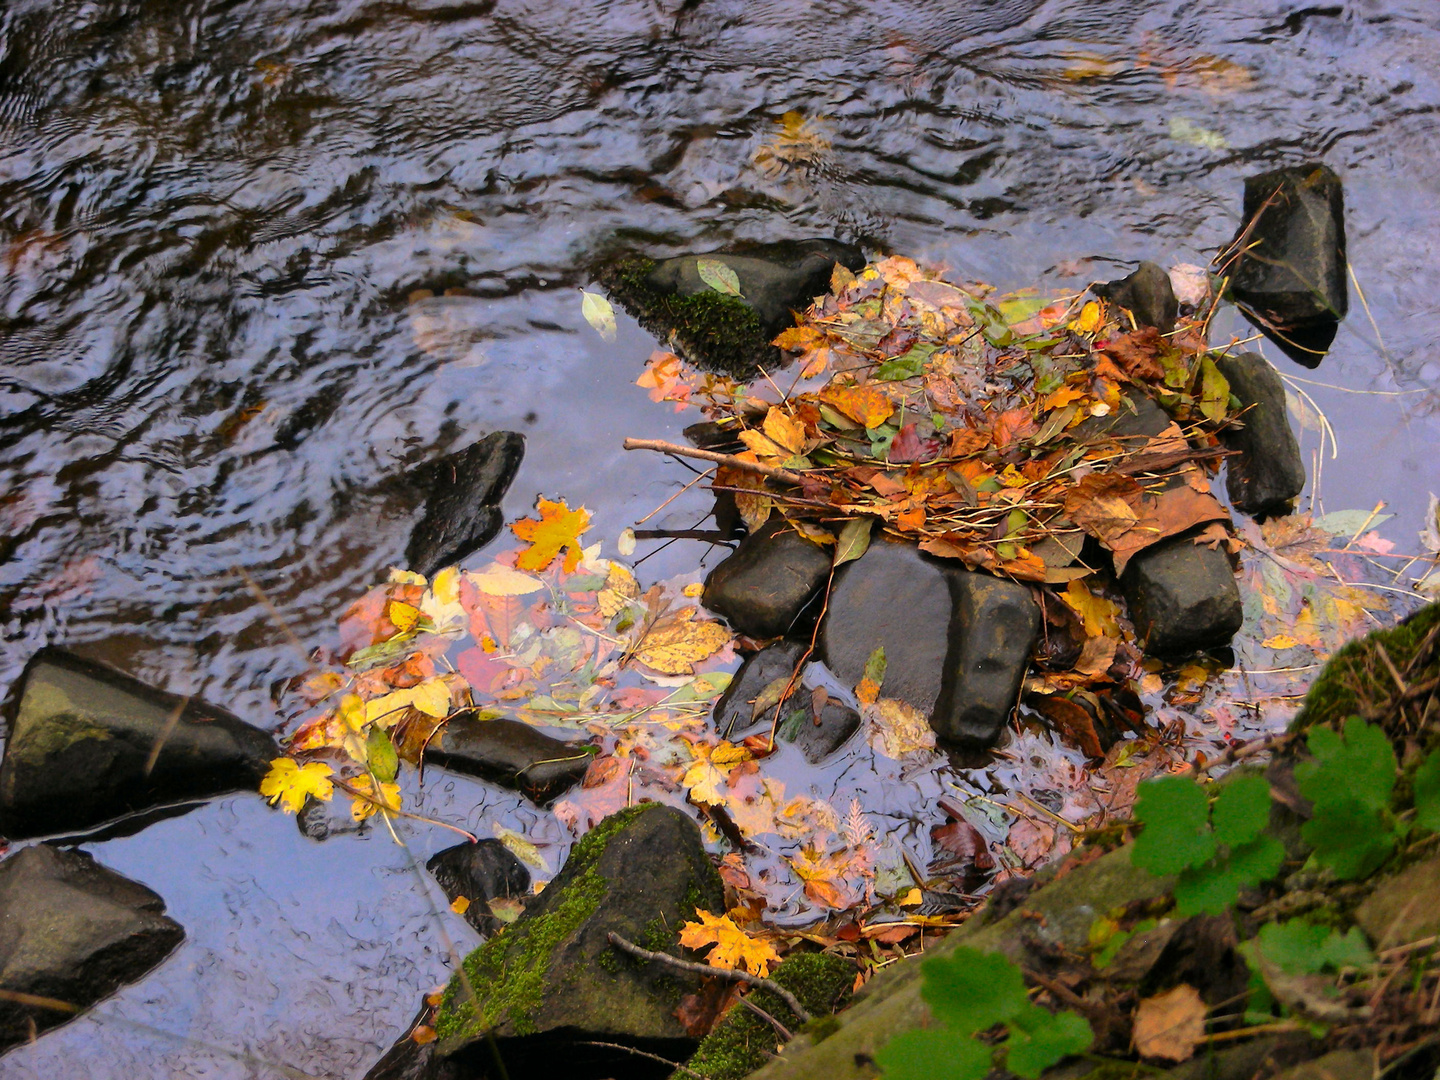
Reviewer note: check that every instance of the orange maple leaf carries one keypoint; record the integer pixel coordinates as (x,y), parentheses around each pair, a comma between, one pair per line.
(558,527)
(734,948)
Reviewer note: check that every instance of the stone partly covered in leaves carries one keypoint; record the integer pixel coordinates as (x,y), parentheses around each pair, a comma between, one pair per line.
(72,931)
(462,509)
(742,1041)
(1147,294)
(552,978)
(473,875)
(79,748)
(770,584)
(1268,471)
(1289,271)
(721,310)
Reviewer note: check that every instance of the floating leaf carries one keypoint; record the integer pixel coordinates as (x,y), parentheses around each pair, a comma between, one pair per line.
(598,313)
(718,275)
(289,783)
(557,527)
(674,645)
(380,755)
(369,801)
(900,728)
(1214,391)
(498,580)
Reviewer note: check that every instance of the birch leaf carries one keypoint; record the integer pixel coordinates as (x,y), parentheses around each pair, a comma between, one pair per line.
(599,314)
(718,276)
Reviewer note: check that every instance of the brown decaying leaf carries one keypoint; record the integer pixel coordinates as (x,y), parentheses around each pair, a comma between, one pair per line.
(1168,514)
(1074,721)
(1169,1026)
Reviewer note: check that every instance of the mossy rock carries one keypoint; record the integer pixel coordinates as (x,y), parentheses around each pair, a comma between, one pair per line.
(715,330)
(742,1042)
(552,978)
(1356,681)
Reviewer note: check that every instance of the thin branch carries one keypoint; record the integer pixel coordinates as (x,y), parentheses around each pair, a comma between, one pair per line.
(784,1032)
(801,1013)
(772,471)
(644,1054)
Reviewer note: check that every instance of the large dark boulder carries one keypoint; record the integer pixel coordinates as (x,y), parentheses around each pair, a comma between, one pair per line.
(479,873)
(1289,276)
(1268,471)
(956,642)
(717,330)
(1182,597)
(1147,294)
(510,753)
(552,981)
(81,740)
(770,585)
(72,931)
(462,509)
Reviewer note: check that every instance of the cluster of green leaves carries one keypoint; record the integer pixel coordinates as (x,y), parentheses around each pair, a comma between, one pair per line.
(969,993)
(1349,781)
(1216,848)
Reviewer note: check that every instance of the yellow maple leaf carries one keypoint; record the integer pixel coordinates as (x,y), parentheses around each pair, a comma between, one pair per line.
(675,644)
(784,430)
(733,947)
(1097,613)
(1280,641)
(367,801)
(557,527)
(703,781)
(898,728)
(290,783)
(620,589)
(863,404)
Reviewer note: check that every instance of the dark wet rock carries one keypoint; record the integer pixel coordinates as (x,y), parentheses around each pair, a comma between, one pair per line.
(742,1042)
(735,711)
(1291,279)
(510,753)
(1182,597)
(81,735)
(1147,293)
(769,585)
(74,931)
(716,330)
(956,642)
(320,819)
(1131,424)
(462,510)
(410,1060)
(818,735)
(552,979)
(1268,472)
(480,872)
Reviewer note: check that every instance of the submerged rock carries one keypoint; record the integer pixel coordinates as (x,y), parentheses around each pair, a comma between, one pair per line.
(510,753)
(462,510)
(1268,472)
(956,642)
(717,330)
(769,584)
(73,931)
(552,980)
(1290,280)
(1147,294)
(735,712)
(818,735)
(1182,597)
(81,739)
(480,872)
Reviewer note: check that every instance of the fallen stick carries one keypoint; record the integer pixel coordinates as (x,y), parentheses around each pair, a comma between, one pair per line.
(643,1054)
(721,973)
(772,471)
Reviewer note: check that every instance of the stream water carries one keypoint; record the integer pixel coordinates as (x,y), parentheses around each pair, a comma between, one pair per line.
(214,215)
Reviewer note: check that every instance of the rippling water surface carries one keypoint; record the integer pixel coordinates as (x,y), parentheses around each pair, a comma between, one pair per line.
(213,219)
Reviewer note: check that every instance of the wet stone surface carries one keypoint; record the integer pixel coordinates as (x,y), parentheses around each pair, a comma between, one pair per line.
(81,742)
(462,513)
(770,586)
(480,873)
(1182,597)
(1268,472)
(511,753)
(1147,294)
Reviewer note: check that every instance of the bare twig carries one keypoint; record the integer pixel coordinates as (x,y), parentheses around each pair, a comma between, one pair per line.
(784,1032)
(801,1013)
(643,1054)
(809,649)
(1248,749)
(660,446)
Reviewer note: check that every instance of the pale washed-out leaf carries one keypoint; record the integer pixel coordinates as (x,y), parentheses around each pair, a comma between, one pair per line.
(599,314)
(854,540)
(718,276)
(1430,535)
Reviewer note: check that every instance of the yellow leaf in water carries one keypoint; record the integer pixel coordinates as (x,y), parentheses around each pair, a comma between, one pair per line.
(763,446)
(557,527)
(522,849)
(1096,612)
(460,905)
(432,697)
(290,783)
(368,801)
(598,313)
(693,590)
(913,898)
(353,712)
(387,710)
(1280,641)
(674,645)
(500,580)
(729,754)
(703,781)
(784,430)
(868,691)
(898,728)
(734,949)
(446,586)
(620,589)
(404,616)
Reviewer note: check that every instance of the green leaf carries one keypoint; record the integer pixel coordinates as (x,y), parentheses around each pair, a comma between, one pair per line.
(718,276)
(1212,889)
(598,313)
(381,756)
(854,540)
(1242,810)
(1361,766)
(1427,793)
(875,666)
(972,991)
(907,365)
(1214,391)
(1348,837)
(1301,947)
(933,1055)
(1039,1039)
(1175,813)
(1347,523)
(1347,950)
